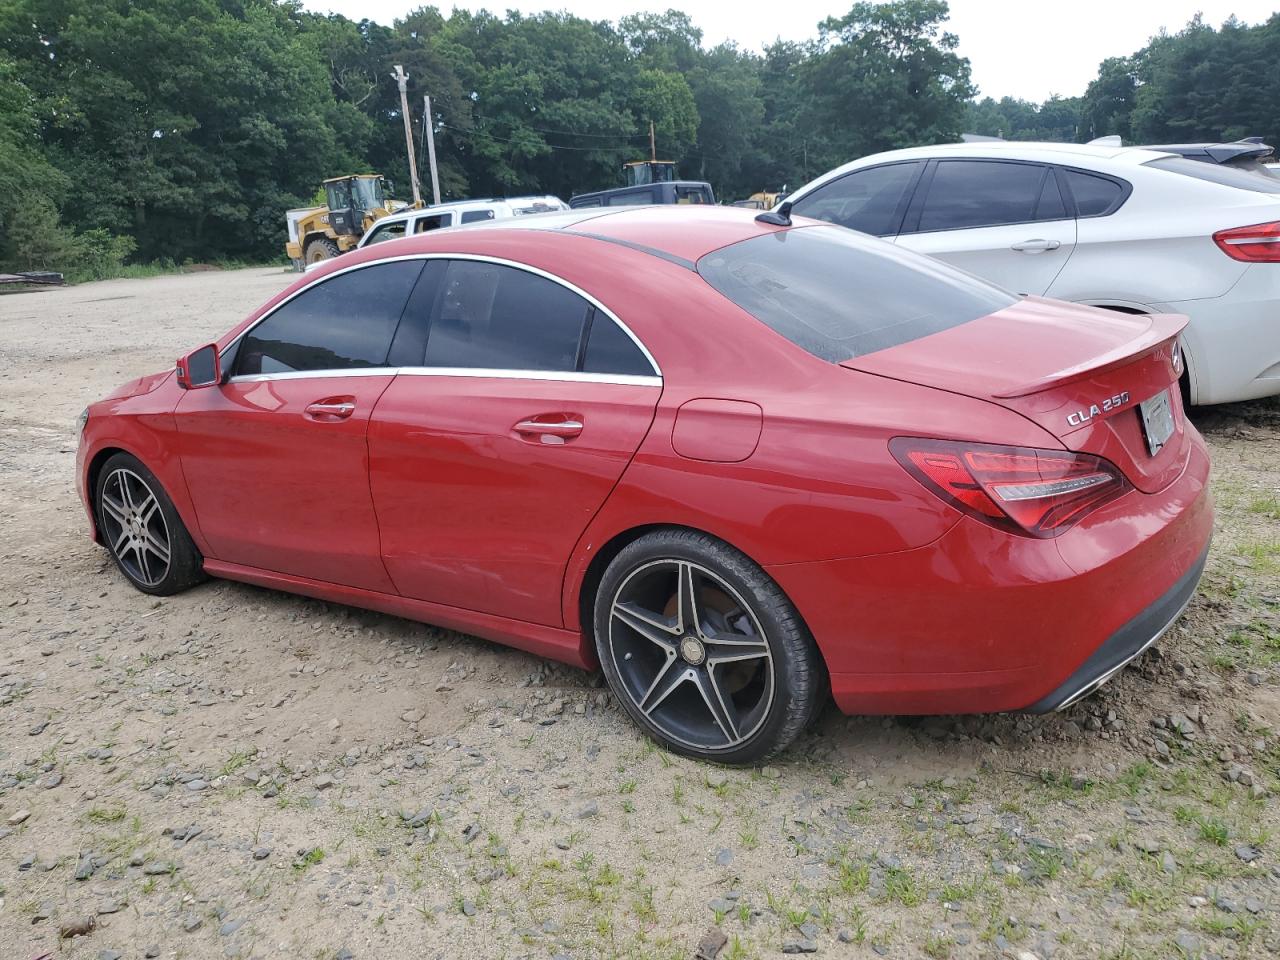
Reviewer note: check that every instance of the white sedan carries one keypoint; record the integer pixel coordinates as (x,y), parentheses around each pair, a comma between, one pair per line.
(1119,227)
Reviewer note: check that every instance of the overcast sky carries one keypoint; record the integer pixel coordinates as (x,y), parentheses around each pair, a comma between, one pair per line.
(1021,49)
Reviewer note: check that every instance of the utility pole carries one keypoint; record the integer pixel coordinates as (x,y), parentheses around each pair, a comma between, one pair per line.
(653,144)
(402,78)
(430,126)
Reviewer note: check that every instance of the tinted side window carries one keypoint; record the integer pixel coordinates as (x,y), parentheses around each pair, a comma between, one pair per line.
(423,224)
(1095,196)
(388,231)
(610,350)
(1051,205)
(865,200)
(475,216)
(343,322)
(633,199)
(497,317)
(980,193)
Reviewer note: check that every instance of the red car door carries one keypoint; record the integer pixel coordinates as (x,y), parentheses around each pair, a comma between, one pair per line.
(276,458)
(487,462)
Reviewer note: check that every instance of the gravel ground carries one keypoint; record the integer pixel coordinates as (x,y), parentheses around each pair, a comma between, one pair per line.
(234,772)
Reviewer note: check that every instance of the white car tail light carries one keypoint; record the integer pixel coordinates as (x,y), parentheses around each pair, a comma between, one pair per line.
(1259,243)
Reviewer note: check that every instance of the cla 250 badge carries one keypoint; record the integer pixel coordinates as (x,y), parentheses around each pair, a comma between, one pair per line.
(1081,417)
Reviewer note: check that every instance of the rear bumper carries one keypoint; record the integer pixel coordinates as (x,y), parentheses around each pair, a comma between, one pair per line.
(1233,341)
(980,621)
(1126,644)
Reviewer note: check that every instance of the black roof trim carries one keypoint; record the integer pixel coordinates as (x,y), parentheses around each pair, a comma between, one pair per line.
(652,251)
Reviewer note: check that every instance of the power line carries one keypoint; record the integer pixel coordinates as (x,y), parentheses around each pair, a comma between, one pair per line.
(574,133)
(552,146)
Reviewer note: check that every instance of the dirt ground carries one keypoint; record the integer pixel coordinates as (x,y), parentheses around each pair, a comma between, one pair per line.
(239,773)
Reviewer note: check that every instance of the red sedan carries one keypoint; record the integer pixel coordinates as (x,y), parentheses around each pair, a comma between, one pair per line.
(739,464)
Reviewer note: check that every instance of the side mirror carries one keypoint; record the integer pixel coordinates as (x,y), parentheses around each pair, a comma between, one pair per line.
(200,368)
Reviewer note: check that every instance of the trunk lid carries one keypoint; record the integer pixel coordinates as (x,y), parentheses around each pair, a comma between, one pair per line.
(1079,372)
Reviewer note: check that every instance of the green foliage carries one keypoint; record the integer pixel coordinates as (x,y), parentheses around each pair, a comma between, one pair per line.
(882,76)
(1057,119)
(192,125)
(183,129)
(1200,84)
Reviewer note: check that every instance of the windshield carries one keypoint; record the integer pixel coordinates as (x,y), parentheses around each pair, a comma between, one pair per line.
(339,194)
(649,171)
(368,193)
(840,294)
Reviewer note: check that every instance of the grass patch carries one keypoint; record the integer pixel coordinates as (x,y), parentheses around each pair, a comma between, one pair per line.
(1213,830)
(106,814)
(1267,505)
(901,886)
(307,859)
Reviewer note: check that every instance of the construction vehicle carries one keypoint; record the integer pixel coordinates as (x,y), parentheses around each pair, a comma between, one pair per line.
(639,173)
(353,204)
(651,181)
(764,200)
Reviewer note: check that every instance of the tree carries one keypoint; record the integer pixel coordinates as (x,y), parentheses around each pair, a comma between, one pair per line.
(1109,100)
(27,179)
(192,123)
(883,76)
(1056,120)
(726,87)
(553,102)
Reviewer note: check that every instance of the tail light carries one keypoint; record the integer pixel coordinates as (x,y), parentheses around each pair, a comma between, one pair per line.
(1041,493)
(1259,243)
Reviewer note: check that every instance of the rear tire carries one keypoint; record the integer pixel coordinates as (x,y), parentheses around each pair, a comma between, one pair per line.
(142,530)
(321,249)
(704,650)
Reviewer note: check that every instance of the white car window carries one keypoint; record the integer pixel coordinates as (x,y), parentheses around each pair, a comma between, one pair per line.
(981,193)
(867,200)
(386,231)
(1095,196)
(433,222)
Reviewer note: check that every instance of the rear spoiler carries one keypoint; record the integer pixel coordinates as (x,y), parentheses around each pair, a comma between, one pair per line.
(1163,328)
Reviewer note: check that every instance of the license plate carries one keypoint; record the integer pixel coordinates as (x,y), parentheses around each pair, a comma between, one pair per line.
(1157,421)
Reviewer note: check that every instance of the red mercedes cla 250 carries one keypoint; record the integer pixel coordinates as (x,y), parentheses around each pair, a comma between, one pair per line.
(740,465)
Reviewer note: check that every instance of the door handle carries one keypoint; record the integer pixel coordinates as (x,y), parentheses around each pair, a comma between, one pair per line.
(328,410)
(1036,246)
(549,430)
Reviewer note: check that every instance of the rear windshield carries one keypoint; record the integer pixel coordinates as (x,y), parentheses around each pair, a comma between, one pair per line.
(1228,176)
(840,294)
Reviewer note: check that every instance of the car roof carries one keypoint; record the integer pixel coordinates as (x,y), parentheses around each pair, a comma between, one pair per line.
(1022,148)
(680,232)
(454,205)
(1088,155)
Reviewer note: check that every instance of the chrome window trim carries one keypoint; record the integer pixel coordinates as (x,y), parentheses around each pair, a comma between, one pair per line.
(477,257)
(569,376)
(315,374)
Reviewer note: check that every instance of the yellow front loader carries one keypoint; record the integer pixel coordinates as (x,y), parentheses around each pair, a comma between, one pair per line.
(353,204)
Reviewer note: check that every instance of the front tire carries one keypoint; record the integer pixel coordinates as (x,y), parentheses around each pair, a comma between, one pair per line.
(320,250)
(142,530)
(703,649)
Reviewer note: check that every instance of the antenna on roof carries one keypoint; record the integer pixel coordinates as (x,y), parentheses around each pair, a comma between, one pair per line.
(1109,141)
(781,217)
(979,138)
